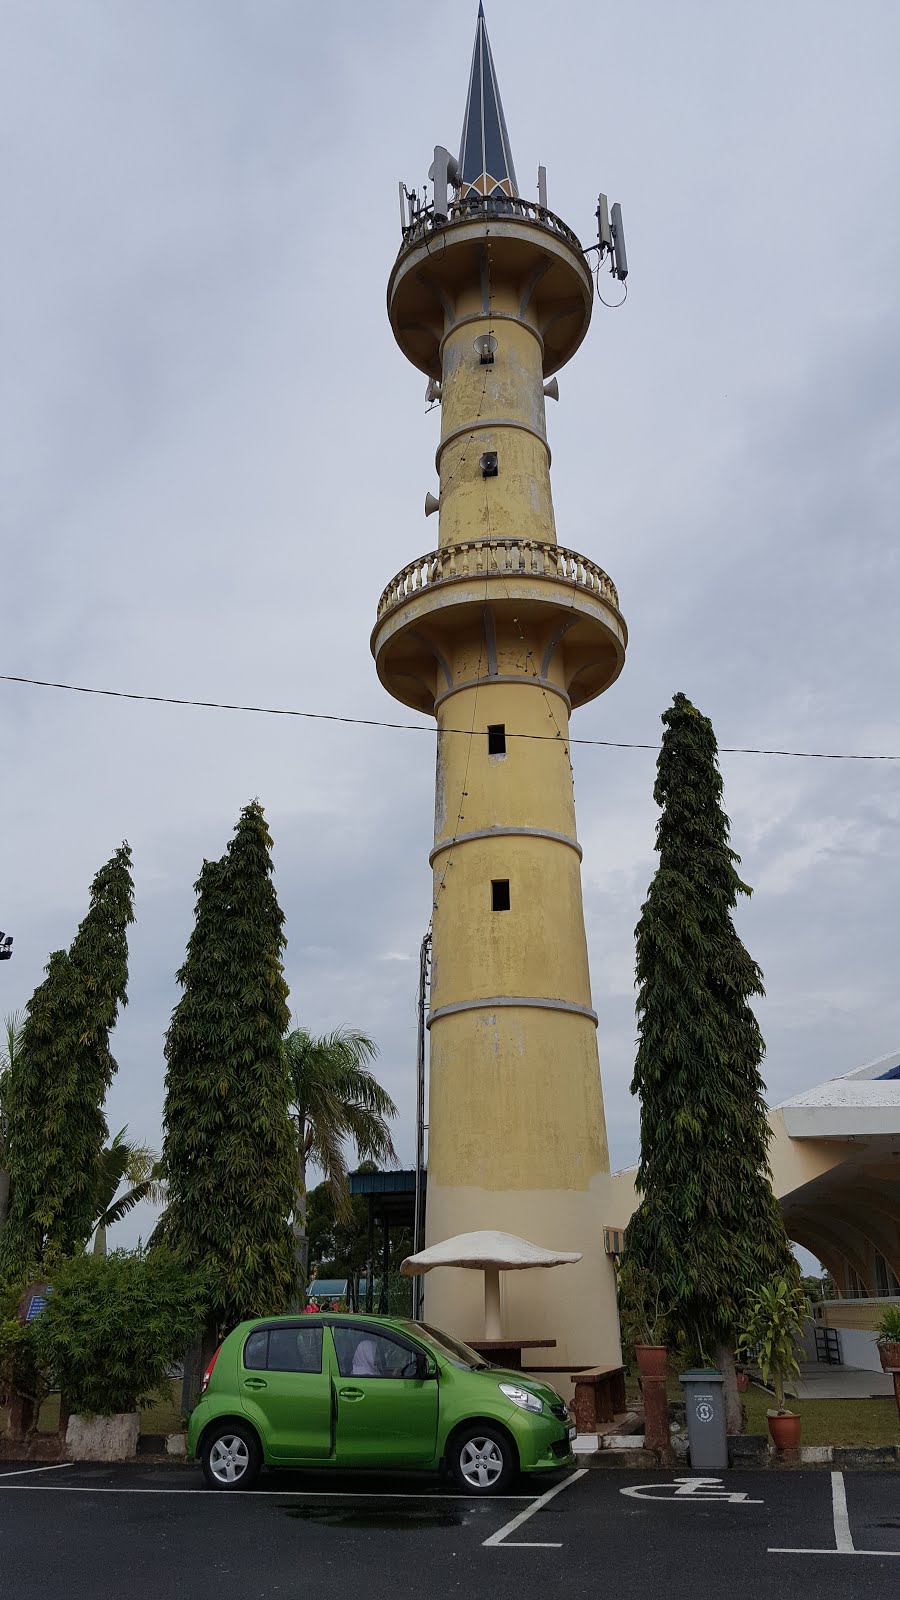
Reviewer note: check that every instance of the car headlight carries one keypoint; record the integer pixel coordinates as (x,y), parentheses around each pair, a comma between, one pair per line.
(521,1397)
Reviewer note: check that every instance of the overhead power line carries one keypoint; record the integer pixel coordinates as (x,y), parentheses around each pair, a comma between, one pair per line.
(421,727)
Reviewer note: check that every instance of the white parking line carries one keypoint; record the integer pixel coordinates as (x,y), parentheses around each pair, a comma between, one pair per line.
(22,1472)
(498,1540)
(843,1538)
(262,1494)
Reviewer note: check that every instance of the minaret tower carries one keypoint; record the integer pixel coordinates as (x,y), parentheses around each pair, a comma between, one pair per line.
(500,632)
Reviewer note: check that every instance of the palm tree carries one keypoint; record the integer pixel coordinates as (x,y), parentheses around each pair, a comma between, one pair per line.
(8,1052)
(137,1166)
(335,1100)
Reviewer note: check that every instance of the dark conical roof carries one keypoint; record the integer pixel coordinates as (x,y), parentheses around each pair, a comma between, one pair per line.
(485,158)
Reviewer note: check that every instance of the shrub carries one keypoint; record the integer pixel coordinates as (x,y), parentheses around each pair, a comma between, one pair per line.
(13,1338)
(889,1326)
(22,1371)
(114,1325)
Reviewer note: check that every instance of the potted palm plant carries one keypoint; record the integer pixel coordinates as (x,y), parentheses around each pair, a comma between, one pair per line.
(887,1338)
(650,1353)
(642,1321)
(771,1337)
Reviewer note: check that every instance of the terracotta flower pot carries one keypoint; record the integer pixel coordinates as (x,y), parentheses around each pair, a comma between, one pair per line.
(784,1426)
(890,1355)
(652,1360)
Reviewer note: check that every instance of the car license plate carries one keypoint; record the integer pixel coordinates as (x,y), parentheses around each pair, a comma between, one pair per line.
(573,1431)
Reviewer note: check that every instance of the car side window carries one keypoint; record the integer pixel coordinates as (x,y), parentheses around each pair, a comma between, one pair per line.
(295,1349)
(255,1350)
(365,1353)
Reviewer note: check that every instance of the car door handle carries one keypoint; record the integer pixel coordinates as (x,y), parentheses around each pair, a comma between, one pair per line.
(255,1383)
(352,1394)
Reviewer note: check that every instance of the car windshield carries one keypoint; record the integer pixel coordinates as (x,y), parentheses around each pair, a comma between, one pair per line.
(460,1354)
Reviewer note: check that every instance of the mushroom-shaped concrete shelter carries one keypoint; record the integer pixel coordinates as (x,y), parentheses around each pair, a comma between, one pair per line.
(492,1253)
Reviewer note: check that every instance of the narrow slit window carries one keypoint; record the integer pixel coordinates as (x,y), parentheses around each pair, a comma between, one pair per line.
(500,894)
(496,739)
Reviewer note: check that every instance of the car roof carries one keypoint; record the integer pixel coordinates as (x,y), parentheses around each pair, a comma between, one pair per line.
(314,1318)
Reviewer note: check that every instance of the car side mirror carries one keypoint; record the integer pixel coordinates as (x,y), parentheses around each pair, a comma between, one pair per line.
(427,1366)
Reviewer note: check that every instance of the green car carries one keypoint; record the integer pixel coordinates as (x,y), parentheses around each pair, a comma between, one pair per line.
(358,1392)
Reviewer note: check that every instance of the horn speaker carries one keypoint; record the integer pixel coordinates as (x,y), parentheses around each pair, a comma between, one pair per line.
(431,505)
(486,345)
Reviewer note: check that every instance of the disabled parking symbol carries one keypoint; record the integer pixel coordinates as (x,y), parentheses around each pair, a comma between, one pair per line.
(685,1491)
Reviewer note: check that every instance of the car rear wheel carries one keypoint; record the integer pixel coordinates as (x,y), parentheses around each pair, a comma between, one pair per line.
(230,1456)
(482,1460)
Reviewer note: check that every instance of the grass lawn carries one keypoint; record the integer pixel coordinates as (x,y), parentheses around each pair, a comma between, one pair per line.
(163,1415)
(160,1415)
(823,1421)
(831,1421)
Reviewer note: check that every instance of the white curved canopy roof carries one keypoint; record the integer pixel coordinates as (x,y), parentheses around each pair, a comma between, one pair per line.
(486,1249)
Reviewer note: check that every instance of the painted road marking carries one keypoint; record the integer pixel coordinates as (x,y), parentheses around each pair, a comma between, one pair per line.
(500,1540)
(22,1472)
(685,1490)
(843,1538)
(259,1494)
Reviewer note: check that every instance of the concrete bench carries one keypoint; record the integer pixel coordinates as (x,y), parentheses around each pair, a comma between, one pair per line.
(599,1396)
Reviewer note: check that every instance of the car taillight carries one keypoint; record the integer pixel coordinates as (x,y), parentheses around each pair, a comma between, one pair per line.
(204,1383)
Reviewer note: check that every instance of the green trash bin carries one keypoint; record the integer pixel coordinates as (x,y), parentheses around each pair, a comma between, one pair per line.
(705,1404)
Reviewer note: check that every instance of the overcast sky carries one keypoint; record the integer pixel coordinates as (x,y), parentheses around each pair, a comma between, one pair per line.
(214,457)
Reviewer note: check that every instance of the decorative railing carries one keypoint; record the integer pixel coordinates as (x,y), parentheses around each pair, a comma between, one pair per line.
(484,558)
(428,222)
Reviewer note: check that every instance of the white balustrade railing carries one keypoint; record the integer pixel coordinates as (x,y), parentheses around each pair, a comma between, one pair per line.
(498,557)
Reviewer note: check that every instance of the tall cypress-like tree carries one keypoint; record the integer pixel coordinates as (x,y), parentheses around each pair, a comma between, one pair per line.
(56,1086)
(228,1149)
(708,1232)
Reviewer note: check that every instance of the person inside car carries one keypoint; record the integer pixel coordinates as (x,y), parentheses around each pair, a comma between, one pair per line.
(364,1363)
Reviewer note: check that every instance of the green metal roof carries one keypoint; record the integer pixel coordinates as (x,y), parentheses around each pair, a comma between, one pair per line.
(363,1183)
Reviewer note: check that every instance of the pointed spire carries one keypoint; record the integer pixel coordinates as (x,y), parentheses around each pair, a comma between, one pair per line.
(485,157)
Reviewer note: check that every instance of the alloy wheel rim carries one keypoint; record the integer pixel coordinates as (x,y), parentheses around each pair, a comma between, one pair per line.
(229,1458)
(481,1462)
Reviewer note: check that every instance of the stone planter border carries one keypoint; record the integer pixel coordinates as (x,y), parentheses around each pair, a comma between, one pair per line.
(103,1438)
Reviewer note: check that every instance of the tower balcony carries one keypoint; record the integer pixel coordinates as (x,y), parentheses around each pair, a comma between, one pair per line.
(497,205)
(531,250)
(561,603)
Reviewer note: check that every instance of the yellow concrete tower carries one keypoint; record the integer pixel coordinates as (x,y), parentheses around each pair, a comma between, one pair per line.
(500,632)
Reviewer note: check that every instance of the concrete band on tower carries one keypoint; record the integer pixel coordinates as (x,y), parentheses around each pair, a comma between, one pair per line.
(495,317)
(547,684)
(496,1002)
(509,833)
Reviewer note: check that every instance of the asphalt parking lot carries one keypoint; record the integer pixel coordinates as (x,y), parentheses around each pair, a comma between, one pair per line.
(154,1531)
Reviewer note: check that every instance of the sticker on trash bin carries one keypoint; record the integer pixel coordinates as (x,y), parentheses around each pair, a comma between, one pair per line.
(684,1490)
(703,1410)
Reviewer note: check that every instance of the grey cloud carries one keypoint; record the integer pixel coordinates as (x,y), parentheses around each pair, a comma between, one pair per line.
(214,458)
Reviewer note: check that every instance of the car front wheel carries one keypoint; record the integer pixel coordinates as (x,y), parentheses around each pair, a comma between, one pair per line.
(230,1456)
(482,1460)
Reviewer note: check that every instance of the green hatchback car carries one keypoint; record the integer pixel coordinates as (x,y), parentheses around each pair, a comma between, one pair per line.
(358,1392)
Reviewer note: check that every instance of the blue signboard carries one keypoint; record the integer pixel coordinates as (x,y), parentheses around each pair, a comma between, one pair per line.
(38,1302)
